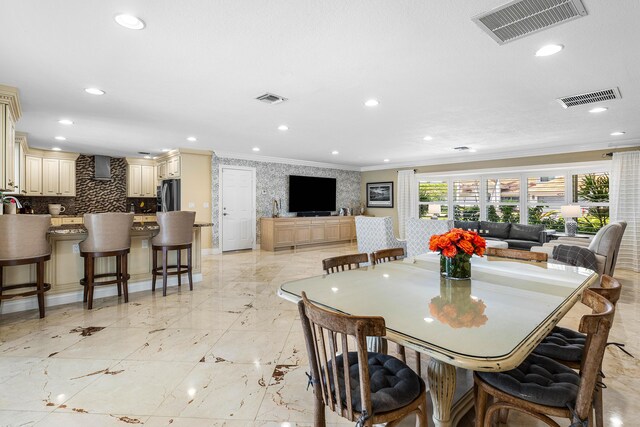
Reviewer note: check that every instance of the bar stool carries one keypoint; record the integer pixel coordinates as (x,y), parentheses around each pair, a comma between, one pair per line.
(109,234)
(25,242)
(176,233)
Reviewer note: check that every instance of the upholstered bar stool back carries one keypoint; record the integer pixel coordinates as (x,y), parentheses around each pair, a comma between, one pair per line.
(176,233)
(109,234)
(24,241)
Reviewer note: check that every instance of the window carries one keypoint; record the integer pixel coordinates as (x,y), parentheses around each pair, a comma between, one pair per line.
(545,196)
(433,199)
(591,192)
(466,200)
(503,199)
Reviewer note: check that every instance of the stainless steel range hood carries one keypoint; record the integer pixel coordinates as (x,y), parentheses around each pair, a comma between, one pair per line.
(102,167)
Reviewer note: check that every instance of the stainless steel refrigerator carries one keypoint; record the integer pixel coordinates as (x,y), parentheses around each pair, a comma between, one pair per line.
(169,195)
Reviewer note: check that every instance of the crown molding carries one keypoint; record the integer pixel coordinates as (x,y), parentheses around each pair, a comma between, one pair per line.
(9,96)
(477,157)
(283,160)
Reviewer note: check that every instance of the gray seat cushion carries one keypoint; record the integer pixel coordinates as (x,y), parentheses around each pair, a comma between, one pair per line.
(539,380)
(521,244)
(562,344)
(526,232)
(495,229)
(393,384)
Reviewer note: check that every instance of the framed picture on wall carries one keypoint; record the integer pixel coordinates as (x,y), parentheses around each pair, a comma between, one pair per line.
(380,194)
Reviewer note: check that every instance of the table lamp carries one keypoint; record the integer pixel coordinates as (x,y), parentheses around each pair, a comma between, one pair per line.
(569,212)
(434,211)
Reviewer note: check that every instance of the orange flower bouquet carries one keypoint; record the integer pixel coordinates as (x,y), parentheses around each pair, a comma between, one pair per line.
(456,247)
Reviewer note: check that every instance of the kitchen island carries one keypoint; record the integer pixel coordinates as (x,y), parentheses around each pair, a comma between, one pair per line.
(66,267)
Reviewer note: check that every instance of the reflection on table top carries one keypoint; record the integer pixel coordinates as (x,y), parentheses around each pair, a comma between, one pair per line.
(489,322)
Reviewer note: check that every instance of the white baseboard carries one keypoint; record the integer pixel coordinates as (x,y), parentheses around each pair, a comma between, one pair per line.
(30,303)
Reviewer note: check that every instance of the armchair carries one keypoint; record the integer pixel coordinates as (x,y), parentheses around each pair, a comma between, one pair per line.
(375,233)
(419,231)
(605,245)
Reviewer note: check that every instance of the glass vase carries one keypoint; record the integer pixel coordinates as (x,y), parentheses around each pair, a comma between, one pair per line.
(456,268)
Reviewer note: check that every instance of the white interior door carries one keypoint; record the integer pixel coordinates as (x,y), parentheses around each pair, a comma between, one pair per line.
(237,207)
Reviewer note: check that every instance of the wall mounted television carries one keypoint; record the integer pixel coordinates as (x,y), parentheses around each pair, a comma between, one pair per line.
(309,195)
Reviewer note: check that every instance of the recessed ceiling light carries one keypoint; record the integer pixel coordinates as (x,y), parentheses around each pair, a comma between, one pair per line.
(256,148)
(372,103)
(283,127)
(386,160)
(192,139)
(60,138)
(129,21)
(335,153)
(94,91)
(428,138)
(147,157)
(549,49)
(617,133)
(65,122)
(598,109)
(166,150)
(57,149)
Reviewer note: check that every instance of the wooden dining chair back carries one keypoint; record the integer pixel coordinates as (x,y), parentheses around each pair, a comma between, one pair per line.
(609,288)
(596,326)
(385,255)
(517,254)
(344,384)
(344,262)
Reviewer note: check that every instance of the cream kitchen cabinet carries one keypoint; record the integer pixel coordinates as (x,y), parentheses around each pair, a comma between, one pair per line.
(10,113)
(141,179)
(58,177)
(32,176)
(48,173)
(173,167)
(162,170)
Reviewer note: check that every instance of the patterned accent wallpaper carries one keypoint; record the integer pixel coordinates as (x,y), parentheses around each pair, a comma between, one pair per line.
(94,196)
(272,179)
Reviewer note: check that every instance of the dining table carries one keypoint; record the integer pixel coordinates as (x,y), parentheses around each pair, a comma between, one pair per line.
(490,322)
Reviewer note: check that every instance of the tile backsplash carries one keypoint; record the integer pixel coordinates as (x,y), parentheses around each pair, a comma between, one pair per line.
(94,196)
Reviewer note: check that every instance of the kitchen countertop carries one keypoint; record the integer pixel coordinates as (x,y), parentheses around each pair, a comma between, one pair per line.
(148,226)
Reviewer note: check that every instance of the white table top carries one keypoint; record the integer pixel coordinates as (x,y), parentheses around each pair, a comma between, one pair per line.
(488,323)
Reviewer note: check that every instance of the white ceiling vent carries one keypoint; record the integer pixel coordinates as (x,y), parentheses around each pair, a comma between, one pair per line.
(520,18)
(270,98)
(590,98)
(461,148)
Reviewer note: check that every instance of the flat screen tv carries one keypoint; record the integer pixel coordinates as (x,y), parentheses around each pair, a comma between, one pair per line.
(311,194)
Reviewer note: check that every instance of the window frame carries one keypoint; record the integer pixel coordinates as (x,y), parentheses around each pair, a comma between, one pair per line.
(523,174)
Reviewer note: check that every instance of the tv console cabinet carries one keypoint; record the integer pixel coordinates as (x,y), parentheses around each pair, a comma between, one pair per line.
(276,233)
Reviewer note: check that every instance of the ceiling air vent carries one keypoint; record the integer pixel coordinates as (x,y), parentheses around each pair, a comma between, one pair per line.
(270,98)
(590,98)
(520,18)
(461,148)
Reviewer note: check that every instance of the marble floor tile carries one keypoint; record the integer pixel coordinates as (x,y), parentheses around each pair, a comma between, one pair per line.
(218,390)
(248,347)
(109,343)
(230,353)
(180,345)
(35,384)
(131,387)
(81,419)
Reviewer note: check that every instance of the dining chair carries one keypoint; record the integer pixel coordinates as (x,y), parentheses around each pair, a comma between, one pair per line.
(368,388)
(343,262)
(544,388)
(517,254)
(385,255)
(567,346)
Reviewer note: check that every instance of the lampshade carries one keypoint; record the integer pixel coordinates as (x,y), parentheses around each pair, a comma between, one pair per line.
(570,211)
(435,209)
